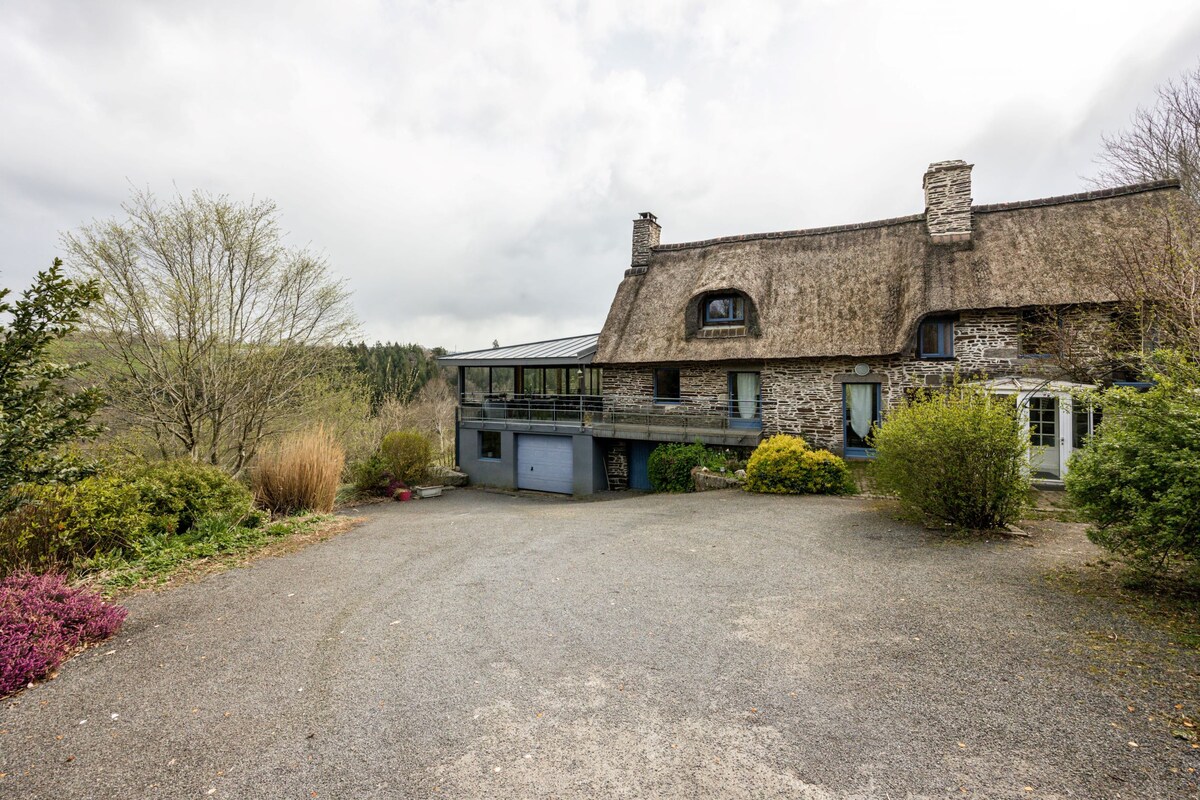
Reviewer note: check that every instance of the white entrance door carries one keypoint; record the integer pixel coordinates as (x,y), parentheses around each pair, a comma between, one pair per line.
(544,463)
(1046,435)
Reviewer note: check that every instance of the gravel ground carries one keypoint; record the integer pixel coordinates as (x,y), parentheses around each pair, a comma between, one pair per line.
(715,645)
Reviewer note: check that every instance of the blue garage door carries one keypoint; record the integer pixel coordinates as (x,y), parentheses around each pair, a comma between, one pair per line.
(544,463)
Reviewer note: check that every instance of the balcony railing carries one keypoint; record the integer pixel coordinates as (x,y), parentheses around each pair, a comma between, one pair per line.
(698,414)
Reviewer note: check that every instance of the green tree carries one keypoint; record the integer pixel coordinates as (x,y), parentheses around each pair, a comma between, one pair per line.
(39,412)
(394,371)
(1138,479)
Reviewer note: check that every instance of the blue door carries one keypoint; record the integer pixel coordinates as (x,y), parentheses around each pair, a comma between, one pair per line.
(639,465)
(861,404)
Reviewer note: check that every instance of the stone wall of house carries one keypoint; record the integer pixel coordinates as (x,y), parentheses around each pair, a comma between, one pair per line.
(804,397)
(702,388)
(627,382)
(616,464)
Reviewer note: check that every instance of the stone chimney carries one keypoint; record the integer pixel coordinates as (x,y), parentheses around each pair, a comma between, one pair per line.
(948,201)
(646,233)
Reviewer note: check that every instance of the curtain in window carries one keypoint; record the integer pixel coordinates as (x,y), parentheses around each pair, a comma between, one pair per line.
(860,397)
(746,386)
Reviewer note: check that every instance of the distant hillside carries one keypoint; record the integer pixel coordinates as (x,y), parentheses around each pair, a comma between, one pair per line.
(397,371)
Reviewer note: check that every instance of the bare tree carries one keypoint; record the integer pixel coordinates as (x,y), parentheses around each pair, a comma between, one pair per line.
(1146,259)
(211,326)
(1161,141)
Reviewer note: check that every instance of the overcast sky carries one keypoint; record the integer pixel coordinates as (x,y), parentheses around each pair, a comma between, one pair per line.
(472,168)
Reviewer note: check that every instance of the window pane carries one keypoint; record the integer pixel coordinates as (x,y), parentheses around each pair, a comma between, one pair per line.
(744,390)
(862,411)
(719,309)
(666,384)
(475,380)
(532,381)
(594,377)
(1043,423)
(930,346)
(724,310)
(554,381)
(489,444)
(937,337)
(502,380)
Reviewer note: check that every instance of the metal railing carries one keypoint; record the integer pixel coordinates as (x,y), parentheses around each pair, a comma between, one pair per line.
(694,413)
(554,409)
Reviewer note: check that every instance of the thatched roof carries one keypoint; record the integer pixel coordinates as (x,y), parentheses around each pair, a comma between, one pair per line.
(860,290)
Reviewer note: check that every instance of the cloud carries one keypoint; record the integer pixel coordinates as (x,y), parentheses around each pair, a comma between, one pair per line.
(472,167)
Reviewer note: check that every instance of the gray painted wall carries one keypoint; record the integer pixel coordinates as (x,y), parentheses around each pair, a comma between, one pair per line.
(588,460)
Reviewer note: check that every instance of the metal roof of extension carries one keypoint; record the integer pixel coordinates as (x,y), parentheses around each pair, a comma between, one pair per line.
(552,352)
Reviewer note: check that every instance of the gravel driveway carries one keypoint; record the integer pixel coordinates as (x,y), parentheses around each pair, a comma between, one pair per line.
(716,645)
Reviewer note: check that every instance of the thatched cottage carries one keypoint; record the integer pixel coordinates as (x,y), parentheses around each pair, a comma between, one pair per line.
(813,332)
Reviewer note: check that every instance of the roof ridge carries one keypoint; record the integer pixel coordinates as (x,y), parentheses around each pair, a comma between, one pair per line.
(1079,197)
(523,344)
(748,237)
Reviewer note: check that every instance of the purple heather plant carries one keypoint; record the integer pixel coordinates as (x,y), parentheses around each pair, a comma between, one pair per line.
(43,620)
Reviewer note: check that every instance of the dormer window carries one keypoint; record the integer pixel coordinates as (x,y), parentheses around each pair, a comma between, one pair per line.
(935,338)
(724,309)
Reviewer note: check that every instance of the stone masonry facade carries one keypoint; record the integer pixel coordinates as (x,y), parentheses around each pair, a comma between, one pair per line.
(646,236)
(804,397)
(948,201)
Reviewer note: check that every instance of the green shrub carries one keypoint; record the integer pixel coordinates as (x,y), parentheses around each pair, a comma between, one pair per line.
(31,534)
(784,464)
(959,455)
(670,466)
(177,494)
(1138,478)
(407,455)
(370,475)
(57,524)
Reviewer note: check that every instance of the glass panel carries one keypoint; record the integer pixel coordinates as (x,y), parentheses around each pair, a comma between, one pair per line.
(862,410)
(724,310)
(489,444)
(594,377)
(532,381)
(744,388)
(1084,421)
(720,309)
(937,337)
(502,380)
(666,384)
(1043,421)
(475,380)
(930,339)
(554,381)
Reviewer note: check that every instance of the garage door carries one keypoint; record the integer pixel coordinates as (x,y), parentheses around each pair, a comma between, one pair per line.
(544,463)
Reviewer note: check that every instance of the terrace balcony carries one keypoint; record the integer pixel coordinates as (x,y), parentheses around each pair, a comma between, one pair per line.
(713,420)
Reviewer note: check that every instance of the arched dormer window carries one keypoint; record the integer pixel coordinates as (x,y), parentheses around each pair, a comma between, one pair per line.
(723,309)
(720,314)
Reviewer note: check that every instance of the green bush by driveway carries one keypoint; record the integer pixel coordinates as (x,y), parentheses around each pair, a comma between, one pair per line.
(959,455)
(1138,478)
(784,464)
